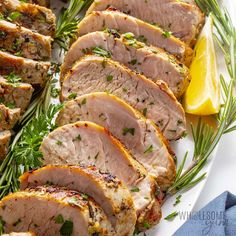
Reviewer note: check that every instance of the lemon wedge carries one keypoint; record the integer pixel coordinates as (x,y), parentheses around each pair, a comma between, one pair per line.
(203,94)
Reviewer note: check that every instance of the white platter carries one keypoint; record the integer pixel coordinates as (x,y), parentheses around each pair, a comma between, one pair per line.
(189,198)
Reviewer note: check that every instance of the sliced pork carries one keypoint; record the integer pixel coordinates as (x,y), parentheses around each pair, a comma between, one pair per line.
(53,211)
(90,144)
(30,16)
(20,234)
(24,42)
(17,94)
(138,134)
(30,71)
(143,31)
(9,117)
(107,190)
(5,137)
(96,74)
(153,62)
(183,20)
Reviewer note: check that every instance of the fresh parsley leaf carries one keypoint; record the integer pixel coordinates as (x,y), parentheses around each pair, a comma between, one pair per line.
(149,149)
(59,219)
(128,131)
(167,34)
(67,228)
(135,189)
(171,216)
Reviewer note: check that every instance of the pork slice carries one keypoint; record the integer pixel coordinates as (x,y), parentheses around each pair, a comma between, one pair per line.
(8,117)
(24,42)
(152,62)
(30,71)
(107,190)
(96,74)
(31,16)
(17,94)
(53,211)
(182,19)
(143,31)
(20,234)
(139,135)
(89,144)
(5,137)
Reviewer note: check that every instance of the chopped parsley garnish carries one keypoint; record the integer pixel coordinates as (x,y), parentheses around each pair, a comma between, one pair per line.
(133,62)
(109,78)
(142,39)
(128,130)
(72,96)
(167,34)
(149,150)
(135,189)
(74,201)
(67,228)
(84,101)
(128,35)
(59,219)
(59,142)
(14,15)
(178,200)
(12,78)
(171,216)
(78,137)
(146,225)
(84,196)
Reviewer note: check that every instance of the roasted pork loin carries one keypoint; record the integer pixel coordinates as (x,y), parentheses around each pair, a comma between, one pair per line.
(152,62)
(181,19)
(107,190)
(139,135)
(31,16)
(147,33)
(90,144)
(96,74)
(53,211)
(24,42)
(30,71)
(9,117)
(17,94)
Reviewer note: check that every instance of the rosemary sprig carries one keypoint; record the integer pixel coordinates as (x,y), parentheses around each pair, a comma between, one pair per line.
(68,21)
(24,153)
(205,137)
